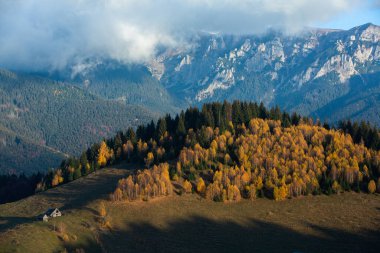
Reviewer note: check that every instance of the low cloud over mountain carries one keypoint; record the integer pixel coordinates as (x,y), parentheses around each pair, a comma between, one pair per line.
(45,34)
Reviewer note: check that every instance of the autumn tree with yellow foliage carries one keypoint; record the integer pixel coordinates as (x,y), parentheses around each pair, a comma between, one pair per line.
(371,186)
(104,154)
(144,185)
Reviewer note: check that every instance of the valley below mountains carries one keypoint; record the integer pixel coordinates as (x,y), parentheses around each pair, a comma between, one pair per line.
(226,144)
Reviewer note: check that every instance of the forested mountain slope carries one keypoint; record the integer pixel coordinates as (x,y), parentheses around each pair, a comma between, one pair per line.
(18,154)
(131,84)
(58,116)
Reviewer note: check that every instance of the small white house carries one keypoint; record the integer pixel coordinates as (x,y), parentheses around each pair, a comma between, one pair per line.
(44,218)
(51,213)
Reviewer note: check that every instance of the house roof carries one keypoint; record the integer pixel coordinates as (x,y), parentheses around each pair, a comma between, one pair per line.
(43,217)
(51,210)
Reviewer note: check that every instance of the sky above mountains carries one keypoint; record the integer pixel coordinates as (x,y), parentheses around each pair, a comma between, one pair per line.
(49,35)
(366,12)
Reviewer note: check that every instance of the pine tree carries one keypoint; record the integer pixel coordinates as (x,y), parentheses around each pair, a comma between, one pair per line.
(131,135)
(181,130)
(77,173)
(84,163)
(161,128)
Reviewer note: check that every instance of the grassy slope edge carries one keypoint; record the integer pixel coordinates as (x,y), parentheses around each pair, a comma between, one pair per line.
(188,223)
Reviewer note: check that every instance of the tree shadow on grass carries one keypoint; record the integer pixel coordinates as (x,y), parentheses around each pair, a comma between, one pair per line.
(199,234)
(69,197)
(7,223)
(79,193)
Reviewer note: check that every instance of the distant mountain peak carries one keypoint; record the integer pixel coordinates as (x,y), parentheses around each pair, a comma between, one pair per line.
(365,26)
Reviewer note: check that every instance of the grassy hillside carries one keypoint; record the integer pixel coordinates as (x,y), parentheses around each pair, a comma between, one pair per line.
(59,116)
(187,223)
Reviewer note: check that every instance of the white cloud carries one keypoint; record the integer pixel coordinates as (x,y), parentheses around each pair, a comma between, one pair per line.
(50,34)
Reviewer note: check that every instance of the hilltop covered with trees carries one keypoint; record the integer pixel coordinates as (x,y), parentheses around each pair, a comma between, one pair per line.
(262,159)
(228,151)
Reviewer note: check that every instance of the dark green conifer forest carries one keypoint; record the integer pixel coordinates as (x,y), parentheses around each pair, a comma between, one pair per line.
(227,151)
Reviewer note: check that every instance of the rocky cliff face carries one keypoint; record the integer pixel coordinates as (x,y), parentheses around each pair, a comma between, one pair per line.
(307,73)
(329,74)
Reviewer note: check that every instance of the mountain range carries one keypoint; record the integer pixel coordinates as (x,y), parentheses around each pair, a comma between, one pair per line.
(327,74)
